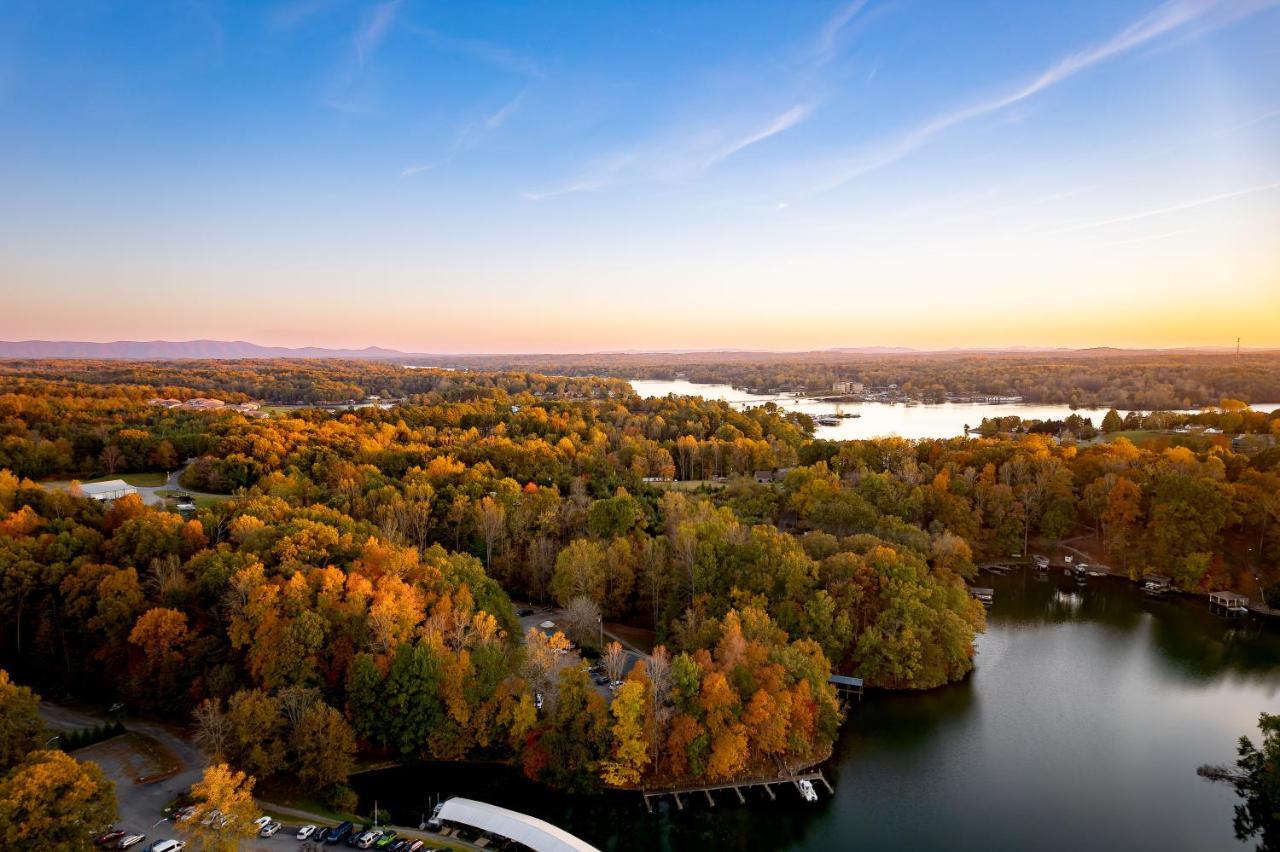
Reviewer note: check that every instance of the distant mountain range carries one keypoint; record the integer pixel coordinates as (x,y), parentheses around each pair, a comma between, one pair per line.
(141,350)
(164,349)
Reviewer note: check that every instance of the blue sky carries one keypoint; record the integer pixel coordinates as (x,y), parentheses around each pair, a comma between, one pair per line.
(566,176)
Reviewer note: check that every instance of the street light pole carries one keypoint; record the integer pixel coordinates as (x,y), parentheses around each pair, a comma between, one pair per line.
(600,621)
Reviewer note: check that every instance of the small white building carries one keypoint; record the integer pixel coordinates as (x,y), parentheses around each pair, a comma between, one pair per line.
(112,489)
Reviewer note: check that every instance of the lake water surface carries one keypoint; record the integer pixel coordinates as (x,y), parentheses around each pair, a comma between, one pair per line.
(1081,728)
(878,419)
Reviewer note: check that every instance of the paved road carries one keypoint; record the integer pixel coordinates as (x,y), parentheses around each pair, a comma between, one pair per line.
(557,617)
(141,805)
(150,494)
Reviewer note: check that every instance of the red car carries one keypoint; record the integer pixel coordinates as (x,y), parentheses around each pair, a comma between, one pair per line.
(110,838)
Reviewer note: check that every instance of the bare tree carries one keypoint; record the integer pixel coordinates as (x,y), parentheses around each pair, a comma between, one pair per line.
(491,519)
(212,728)
(614,660)
(112,458)
(582,617)
(659,666)
(295,701)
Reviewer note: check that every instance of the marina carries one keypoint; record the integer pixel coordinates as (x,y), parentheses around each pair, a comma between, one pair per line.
(1122,694)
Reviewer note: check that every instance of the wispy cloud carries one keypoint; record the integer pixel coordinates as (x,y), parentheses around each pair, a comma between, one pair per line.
(827,44)
(1164,211)
(417,168)
(488,52)
(688,149)
(470,134)
(1166,18)
(681,154)
(294,12)
(374,28)
(785,121)
(498,118)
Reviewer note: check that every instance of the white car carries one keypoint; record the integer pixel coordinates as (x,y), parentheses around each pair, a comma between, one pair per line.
(369,838)
(261,821)
(270,829)
(130,840)
(306,832)
(168,846)
(806,790)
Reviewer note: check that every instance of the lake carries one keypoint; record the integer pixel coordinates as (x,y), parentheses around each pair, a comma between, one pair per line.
(1081,728)
(944,420)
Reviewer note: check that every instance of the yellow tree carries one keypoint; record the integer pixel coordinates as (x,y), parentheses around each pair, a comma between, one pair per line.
(630,741)
(20,725)
(224,810)
(161,636)
(53,801)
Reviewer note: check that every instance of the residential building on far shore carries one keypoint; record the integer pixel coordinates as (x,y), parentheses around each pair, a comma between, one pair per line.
(249,409)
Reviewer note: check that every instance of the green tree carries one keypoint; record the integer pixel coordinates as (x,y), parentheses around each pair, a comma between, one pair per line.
(1256,779)
(325,747)
(579,570)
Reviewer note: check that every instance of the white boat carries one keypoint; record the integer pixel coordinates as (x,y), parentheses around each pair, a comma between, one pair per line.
(806,790)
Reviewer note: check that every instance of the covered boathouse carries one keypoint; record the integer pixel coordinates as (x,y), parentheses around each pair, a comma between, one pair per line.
(523,829)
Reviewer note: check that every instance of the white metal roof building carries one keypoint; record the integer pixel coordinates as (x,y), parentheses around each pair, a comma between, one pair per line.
(112,489)
(529,831)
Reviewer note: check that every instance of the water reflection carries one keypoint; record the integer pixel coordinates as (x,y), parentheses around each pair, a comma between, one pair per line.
(1081,728)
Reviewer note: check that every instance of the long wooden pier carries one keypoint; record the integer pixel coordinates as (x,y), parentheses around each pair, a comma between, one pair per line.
(737,787)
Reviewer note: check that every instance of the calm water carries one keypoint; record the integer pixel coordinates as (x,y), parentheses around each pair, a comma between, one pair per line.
(878,419)
(1081,728)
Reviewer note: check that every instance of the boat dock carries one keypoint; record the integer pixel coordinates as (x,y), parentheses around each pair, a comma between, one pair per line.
(737,787)
(1229,603)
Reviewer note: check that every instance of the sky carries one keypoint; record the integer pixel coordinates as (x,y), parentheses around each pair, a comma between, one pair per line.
(588,176)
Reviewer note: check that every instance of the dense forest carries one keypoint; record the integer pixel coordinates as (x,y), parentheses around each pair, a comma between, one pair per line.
(1091,378)
(352,595)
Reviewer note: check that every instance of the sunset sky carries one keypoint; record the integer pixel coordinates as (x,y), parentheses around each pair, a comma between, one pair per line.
(571,176)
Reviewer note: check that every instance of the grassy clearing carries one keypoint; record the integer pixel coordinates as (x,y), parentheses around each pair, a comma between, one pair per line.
(689,484)
(203,501)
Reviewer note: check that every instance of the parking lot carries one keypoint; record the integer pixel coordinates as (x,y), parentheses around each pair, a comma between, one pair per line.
(538,616)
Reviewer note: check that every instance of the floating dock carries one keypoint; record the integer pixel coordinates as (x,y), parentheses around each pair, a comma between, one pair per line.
(680,794)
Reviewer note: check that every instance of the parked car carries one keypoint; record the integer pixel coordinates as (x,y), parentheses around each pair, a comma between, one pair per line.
(211,817)
(366,839)
(130,840)
(415,845)
(524,612)
(601,680)
(353,839)
(387,838)
(186,813)
(338,833)
(110,838)
(308,831)
(270,829)
(261,821)
(169,845)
